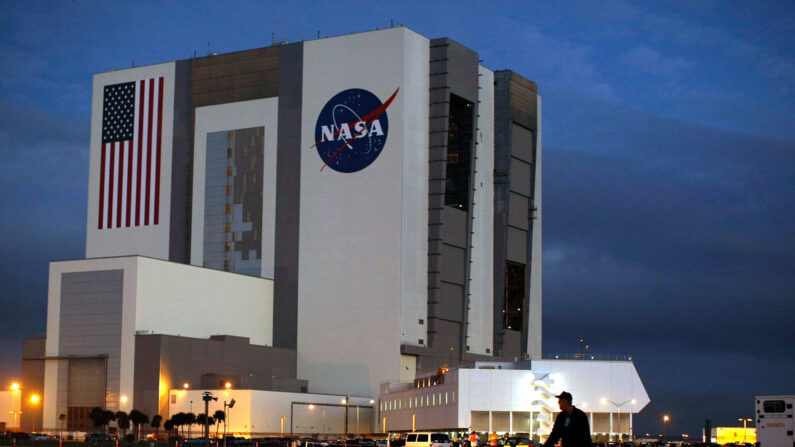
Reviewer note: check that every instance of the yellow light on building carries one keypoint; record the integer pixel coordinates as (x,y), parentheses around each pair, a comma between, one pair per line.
(725,435)
(34,398)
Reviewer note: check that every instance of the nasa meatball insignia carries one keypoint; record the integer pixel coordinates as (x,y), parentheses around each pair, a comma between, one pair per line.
(352,129)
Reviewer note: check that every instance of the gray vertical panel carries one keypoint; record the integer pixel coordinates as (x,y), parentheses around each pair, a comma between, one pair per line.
(515,132)
(288,187)
(146,382)
(91,307)
(181,167)
(87,382)
(502,169)
(453,69)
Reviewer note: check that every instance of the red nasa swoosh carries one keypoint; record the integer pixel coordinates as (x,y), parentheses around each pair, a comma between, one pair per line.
(367,120)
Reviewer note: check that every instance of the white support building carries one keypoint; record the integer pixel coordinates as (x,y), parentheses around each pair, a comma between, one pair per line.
(512,398)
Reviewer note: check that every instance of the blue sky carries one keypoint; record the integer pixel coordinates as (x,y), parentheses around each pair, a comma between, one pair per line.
(669,148)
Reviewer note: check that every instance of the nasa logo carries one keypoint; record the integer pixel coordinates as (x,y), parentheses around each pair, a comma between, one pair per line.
(351,130)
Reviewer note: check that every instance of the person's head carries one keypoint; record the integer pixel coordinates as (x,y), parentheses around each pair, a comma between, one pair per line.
(564,401)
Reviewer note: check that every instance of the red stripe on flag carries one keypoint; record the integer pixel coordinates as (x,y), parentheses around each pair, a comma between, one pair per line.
(101,222)
(120,184)
(129,179)
(157,157)
(149,152)
(111,189)
(140,154)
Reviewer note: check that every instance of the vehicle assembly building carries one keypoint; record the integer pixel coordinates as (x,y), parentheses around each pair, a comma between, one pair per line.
(320,218)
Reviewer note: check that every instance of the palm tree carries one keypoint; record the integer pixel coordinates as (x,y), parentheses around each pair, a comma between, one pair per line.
(219,417)
(179,420)
(138,418)
(123,421)
(168,426)
(156,420)
(205,421)
(99,417)
(190,419)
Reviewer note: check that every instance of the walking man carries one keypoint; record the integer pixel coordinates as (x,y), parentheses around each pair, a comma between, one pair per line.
(571,425)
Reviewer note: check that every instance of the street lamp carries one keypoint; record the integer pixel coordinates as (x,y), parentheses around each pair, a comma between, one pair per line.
(34,399)
(618,410)
(665,422)
(745,428)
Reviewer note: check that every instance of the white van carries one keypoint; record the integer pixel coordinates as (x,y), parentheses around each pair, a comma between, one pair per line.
(427,439)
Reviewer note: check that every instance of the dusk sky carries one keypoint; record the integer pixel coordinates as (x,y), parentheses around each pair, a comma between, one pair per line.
(668,161)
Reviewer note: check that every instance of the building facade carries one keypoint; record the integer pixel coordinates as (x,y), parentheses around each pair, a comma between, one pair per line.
(387,183)
(381,190)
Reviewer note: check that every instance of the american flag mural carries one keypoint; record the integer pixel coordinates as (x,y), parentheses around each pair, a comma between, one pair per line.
(129,173)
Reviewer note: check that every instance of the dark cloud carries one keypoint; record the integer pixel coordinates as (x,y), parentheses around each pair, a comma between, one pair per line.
(673,243)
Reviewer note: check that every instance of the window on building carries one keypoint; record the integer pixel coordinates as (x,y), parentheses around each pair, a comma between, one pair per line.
(459,152)
(514,296)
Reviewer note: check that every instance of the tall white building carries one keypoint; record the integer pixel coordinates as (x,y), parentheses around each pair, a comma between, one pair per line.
(362,209)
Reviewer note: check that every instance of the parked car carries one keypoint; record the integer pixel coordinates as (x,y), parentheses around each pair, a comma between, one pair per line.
(97,438)
(40,437)
(517,441)
(427,439)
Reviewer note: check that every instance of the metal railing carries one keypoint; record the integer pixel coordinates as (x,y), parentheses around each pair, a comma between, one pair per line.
(588,356)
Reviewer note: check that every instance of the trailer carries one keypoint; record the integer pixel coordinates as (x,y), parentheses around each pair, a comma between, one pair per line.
(774,421)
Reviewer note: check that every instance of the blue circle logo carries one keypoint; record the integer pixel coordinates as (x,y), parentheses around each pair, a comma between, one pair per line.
(351,130)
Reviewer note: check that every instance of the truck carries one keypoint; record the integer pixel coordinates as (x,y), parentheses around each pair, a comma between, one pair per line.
(774,421)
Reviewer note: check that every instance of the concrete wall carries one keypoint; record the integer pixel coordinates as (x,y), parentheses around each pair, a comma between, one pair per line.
(590,381)
(111,238)
(260,413)
(164,362)
(363,235)
(144,295)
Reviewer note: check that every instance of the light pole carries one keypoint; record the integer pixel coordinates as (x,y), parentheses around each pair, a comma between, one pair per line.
(347,403)
(618,410)
(207,397)
(226,416)
(745,428)
(34,399)
(282,423)
(665,422)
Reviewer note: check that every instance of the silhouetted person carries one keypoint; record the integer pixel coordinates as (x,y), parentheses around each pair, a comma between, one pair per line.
(571,425)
